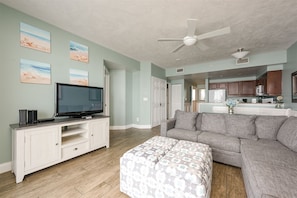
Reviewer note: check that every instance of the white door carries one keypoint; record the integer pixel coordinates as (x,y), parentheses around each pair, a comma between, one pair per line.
(97,134)
(176,98)
(158,101)
(41,147)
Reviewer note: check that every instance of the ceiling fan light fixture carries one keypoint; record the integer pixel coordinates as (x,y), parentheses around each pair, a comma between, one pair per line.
(189,40)
(240,53)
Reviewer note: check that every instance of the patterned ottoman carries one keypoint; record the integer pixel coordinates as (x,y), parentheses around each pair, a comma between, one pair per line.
(166,167)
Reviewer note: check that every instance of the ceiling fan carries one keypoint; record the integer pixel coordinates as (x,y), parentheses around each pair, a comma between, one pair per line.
(191,38)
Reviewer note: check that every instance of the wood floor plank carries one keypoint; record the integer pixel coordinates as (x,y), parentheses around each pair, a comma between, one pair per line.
(96,174)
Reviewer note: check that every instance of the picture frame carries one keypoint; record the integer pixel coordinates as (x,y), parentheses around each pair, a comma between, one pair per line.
(294,87)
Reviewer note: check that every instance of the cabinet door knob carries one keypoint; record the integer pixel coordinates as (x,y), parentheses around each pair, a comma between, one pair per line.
(75,149)
(57,144)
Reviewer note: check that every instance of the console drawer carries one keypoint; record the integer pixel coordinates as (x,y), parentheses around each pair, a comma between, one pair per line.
(75,150)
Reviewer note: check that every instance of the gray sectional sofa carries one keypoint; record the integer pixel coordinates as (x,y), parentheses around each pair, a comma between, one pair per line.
(265,147)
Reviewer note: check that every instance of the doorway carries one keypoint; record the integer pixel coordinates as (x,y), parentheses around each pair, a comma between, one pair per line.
(159,101)
(106,91)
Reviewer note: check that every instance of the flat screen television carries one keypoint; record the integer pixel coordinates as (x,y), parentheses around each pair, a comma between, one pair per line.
(78,100)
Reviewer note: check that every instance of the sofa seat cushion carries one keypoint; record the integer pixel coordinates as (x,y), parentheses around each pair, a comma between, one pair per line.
(220,141)
(185,120)
(268,126)
(213,122)
(287,134)
(269,152)
(182,134)
(269,180)
(241,126)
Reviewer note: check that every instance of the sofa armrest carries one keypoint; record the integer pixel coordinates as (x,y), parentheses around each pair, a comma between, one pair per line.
(167,125)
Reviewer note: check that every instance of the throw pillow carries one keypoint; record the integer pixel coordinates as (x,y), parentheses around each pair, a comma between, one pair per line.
(287,133)
(213,122)
(268,126)
(241,126)
(185,120)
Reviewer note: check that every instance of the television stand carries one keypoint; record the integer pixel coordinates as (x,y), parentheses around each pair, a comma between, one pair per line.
(35,147)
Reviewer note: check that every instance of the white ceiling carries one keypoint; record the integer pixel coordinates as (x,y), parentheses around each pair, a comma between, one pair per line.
(132,27)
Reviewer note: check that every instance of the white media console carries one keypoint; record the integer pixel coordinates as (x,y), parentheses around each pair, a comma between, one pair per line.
(35,147)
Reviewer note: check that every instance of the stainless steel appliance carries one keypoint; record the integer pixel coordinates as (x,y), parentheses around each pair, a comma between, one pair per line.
(217,96)
(260,90)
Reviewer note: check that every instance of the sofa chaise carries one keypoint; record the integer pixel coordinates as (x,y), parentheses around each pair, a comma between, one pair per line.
(265,147)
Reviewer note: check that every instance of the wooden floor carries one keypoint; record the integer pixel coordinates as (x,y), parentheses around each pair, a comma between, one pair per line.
(96,174)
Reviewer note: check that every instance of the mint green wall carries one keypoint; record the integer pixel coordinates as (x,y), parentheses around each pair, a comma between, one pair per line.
(136,97)
(129,97)
(158,72)
(117,97)
(16,95)
(145,93)
(271,58)
(289,68)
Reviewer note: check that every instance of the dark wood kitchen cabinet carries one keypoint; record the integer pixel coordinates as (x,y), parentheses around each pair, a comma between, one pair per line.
(218,86)
(248,88)
(242,88)
(274,83)
(233,88)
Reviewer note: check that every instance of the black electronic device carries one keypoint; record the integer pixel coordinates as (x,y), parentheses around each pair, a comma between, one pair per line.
(46,120)
(77,100)
(32,116)
(23,116)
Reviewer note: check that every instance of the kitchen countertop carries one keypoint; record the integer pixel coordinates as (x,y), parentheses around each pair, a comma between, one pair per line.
(243,108)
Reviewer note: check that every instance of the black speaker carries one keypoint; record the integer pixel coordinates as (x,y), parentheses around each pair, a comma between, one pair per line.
(22,116)
(32,116)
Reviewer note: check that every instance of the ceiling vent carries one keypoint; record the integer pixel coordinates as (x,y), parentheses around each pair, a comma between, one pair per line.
(179,70)
(241,61)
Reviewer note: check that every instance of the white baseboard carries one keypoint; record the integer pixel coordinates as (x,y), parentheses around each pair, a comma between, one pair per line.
(141,126)
(5,167)
(130,126)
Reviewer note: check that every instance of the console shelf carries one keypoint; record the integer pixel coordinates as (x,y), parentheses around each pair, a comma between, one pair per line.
(73,131)
(73,139)
(35,147)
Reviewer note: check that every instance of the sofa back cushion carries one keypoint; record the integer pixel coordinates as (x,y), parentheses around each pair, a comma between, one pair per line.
(213,122)
(287,133)
(185,120)
(268,126)
(241,126)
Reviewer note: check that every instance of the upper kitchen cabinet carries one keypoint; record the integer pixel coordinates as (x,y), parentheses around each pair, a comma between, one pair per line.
(248,88)
(242,88)
(218,86)
(234,88)
(274,83)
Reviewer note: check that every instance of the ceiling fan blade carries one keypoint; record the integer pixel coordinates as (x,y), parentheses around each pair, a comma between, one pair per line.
(218,32)
(170,39)
(178,47)
(192,27)
(202,46)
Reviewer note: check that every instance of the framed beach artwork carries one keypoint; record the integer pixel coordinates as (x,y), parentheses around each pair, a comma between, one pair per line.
(35,72)
(78,77)
(35,38)
(79,52)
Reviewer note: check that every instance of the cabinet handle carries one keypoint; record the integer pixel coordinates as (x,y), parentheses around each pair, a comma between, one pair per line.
(75,149)
(57,144)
